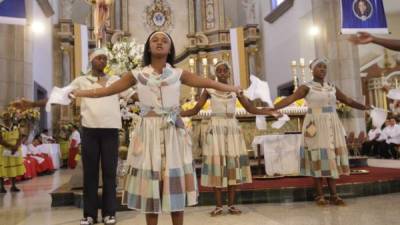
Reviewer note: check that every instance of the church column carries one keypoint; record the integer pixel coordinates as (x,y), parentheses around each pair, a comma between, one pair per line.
(192,16)
(344,67)
(117,14)
(125,15)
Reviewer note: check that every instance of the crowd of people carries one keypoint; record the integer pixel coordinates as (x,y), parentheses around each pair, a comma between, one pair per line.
(383,142)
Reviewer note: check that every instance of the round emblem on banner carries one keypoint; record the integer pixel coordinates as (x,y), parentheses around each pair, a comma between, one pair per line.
(363,9)
(158,16)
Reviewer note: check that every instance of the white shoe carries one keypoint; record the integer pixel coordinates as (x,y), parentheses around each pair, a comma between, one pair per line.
(87,221)
(109,220)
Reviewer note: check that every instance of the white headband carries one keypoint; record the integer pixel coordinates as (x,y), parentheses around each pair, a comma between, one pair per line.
(97,52)
(160,32)
(223,63)
(317,61)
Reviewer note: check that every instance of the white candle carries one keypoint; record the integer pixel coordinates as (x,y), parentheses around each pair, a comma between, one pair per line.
(301,61)
(294,63)
(215,60)
(204,61)
(191,62)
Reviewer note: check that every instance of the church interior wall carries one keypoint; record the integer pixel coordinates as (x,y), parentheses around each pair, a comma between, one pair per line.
(284,41)
(42,53)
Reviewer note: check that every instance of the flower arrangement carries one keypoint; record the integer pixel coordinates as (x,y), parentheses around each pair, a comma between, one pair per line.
(21,117)
(124,55)
(343,110)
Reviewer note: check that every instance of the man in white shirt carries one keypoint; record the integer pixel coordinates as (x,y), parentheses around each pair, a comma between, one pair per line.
(46,138)
(101,121)
(369,147)
(391,133)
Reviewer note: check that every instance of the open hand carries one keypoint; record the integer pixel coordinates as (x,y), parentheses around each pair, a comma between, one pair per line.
(361,38)
(238,90)
(276,114)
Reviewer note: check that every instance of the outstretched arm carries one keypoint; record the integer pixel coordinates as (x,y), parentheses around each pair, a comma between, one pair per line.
(300,93)
(122,84)
(349,101)
(248,105)
(196,109)
(194,80)
(366,38)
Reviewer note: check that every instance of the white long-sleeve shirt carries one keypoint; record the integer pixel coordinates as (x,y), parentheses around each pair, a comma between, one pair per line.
(393,134)
(373,133)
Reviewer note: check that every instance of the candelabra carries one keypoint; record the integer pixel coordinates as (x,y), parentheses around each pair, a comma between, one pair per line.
(302,68)
(192,70)
(294,73)
(204,62)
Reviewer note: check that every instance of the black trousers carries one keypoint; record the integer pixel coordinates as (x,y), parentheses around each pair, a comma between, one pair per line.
(99,145)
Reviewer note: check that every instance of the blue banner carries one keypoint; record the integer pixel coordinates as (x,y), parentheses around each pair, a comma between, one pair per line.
(363,15)
(12,12)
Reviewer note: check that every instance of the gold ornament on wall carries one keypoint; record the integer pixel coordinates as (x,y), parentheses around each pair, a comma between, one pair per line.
(159,16)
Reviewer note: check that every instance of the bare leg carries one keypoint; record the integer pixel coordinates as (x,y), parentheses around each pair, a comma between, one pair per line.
(231,200)
(218,202)
(319,199)
(218,197)
(318,186)
(151,219)
(332,186)
(334,199)
(231,194)
(177,218)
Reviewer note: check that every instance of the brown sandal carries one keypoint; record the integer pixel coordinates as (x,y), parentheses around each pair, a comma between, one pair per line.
(233,210)
(320,200)
(217,211)
(336,200)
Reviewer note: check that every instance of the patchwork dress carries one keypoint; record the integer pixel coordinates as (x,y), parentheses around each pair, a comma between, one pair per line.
(11,165)
(325,153)
(161,175)
(225,158)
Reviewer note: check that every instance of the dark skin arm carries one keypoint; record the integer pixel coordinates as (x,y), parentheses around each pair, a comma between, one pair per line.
(300,93)
(366,38)
(248,105)
(349,101)
(200,103)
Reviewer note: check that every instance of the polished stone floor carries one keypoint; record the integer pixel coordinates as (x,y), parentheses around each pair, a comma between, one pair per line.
(32,207)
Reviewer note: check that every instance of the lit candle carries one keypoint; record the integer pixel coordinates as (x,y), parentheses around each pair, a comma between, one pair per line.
(204,61)
(301,61)
(191,62)
(294,63)
(215,60)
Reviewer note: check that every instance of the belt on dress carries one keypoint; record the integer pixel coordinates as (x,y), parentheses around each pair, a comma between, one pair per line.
(324,109)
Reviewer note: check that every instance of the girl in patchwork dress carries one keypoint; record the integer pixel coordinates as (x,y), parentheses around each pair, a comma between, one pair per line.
(225,160)
(162,176)
(324,152)
(11,160)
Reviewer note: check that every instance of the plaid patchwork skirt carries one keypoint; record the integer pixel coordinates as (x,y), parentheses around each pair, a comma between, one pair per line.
(225,159)
(325,154)
(161,177)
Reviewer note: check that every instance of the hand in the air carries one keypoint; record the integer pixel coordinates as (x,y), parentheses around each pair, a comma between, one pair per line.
(361,38)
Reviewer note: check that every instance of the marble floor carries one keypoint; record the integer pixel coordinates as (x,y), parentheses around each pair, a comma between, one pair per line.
(32,207)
